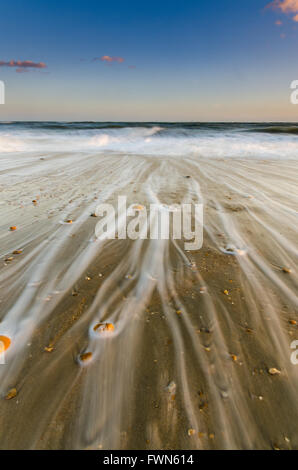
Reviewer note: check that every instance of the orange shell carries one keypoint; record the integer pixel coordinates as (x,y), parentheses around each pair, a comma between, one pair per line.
(104,327)
(5,343)
(86,356)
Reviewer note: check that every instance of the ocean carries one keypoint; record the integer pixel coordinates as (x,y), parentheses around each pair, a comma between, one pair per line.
(209,140)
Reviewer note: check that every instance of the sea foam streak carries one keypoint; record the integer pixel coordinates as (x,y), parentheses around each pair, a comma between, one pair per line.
(194,332)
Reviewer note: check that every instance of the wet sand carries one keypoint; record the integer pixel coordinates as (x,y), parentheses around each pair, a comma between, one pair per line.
(196,333)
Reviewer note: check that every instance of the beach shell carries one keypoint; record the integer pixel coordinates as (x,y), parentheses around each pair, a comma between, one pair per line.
(17,252)
(85,357)
(11,394)
(5,342)
(287,270)
(13,228)
(274,371)
(232,250)
(110,327)
(191,432)
(103,327)
(69,221)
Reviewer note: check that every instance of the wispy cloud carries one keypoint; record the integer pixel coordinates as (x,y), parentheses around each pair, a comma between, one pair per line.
(108,59)
(22,66)
(286,6)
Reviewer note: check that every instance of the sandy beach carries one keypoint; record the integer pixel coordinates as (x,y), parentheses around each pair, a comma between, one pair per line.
(199,352)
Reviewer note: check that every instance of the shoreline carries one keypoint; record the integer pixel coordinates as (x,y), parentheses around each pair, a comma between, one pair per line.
(195,334)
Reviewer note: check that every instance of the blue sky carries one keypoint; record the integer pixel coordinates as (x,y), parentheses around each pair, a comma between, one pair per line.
(182,60)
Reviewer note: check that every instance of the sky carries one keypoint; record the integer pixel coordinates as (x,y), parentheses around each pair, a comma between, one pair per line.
(127,60)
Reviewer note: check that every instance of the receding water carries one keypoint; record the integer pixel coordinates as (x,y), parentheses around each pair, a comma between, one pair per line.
(195,333)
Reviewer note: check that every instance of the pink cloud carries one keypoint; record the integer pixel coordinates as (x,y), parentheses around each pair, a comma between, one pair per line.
(108,59)
(23,65)
(278,23)
(286,6)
